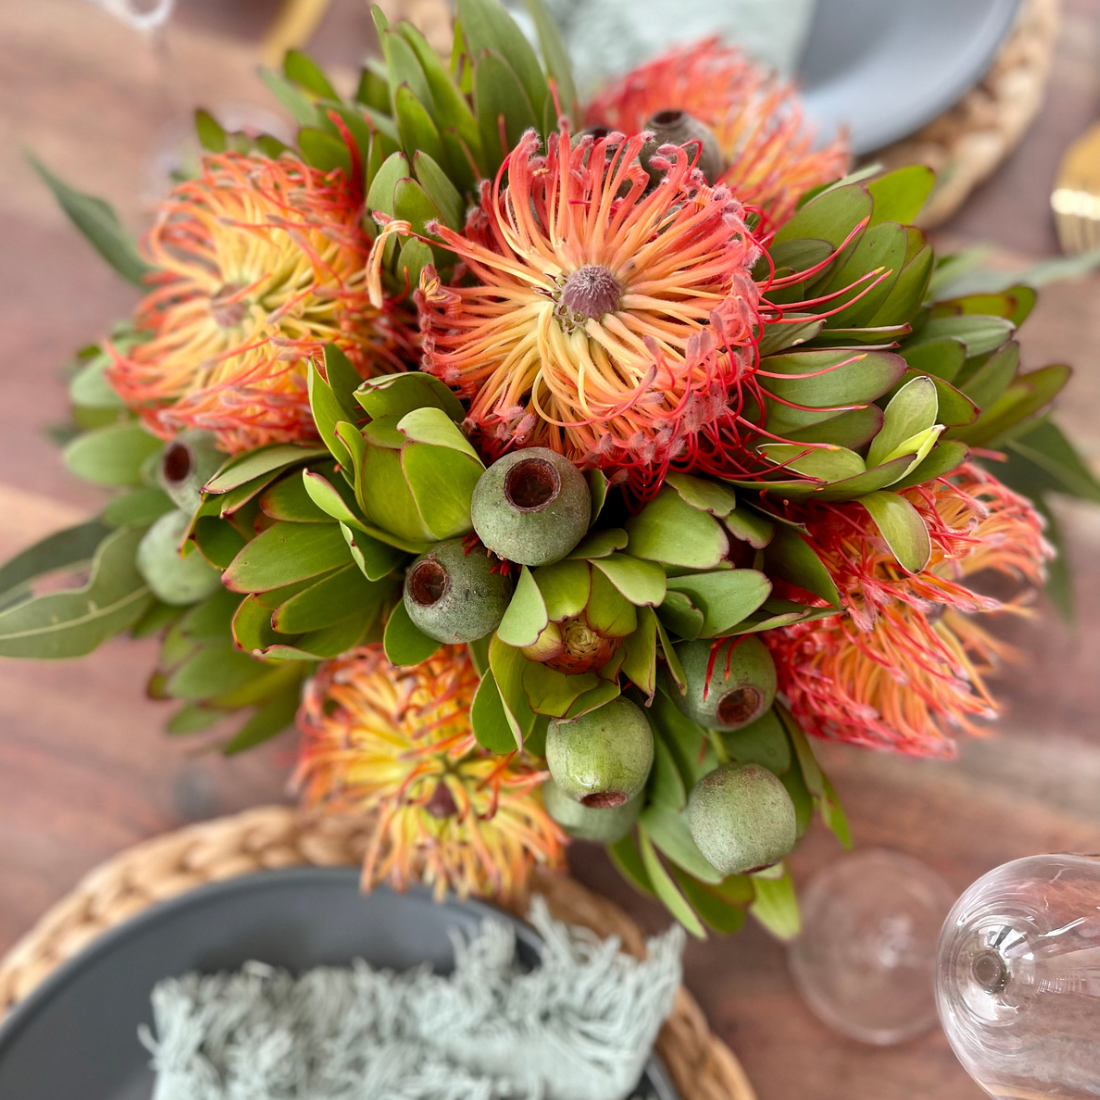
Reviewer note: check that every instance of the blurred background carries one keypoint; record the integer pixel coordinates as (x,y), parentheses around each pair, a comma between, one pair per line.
(85,769)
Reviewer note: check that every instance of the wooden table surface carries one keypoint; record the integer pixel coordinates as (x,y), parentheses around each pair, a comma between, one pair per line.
(84,767)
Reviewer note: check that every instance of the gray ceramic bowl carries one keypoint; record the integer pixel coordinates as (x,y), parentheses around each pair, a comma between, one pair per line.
(75,1037)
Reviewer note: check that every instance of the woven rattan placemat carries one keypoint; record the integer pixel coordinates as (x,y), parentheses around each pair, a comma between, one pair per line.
(278,836)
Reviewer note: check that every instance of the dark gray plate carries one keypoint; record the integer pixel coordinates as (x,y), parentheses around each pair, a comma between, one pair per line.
(883,68)
(75,1037)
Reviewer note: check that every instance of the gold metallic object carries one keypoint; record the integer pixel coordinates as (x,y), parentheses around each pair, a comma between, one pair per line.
(1076,198)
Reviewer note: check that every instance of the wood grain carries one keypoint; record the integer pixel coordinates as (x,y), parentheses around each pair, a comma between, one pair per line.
(85,770)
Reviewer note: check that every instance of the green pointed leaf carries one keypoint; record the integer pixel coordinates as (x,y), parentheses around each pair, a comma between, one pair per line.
(717,913)
(508,665)
(553,693)
(332,599)
(99,224)
(556,56)
(878,478)
(641,582)
(854,428)
(486,26)
(872,269)
(525,618)
(211,620)
(375,559)
(901,525)
(396,395)
(640,653)
(415,126)
(943,357)
(786,334)
(74,622)
(252,629)
(254,464)
(776,906)
(725,597)
(670,531)
(666,889)
(210,132)
(601,544)
(1014,304)
(268,721)
(666,785)
(72,549)
(979,334)
(992,378)
(669,831)
(1062,470)
(628,862)
(504,111)
(823,461)
(750,526)
(323,150)
(955,408)
(489,720)
(609,612)
(829,217)
(791,557)
(439,188)
(193,718)
(599,696)
(285,553)
(289,500)
(383,188)
(565,587)
(1027,395)
(299,105)
(302,70)
(404,642)
(213,670)
(762,742)
(912,410)
(899,195)
(217,540)
(706,496)
(329,500)
(141,507)
(112,456)
(946,457)
(681,615)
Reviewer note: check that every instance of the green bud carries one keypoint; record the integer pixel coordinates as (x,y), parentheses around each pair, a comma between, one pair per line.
(453,596)
(532,507)
(741,818)
(603,825)
(730,689)
(603,758)
(187,464)
(173,578)
(417,475)
(679,128)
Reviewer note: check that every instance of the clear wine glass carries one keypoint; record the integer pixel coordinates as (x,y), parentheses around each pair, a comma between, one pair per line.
(1015,975)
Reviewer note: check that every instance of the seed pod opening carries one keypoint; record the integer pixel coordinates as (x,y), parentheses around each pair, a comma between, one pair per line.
(187,463)
(454,596)
(728,686)
(531,507)
(604,825)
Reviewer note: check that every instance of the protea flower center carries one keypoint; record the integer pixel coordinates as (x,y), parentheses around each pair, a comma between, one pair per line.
(228,307)
(586,295)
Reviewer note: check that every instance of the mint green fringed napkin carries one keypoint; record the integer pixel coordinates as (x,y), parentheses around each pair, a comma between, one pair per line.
(579,1027)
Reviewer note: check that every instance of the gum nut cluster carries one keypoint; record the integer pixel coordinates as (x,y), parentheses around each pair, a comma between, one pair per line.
(741,818)
(601,759)
(173,578)
(453,594)
(189,461)
(727,687)
(602,825)
(531,507)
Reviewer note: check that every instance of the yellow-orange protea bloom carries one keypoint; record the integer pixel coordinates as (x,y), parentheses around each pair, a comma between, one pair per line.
(259,264)
(395,745)
(609,321)
(769,154)
(904,668)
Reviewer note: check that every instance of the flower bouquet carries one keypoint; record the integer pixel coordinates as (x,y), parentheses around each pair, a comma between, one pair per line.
(560,467)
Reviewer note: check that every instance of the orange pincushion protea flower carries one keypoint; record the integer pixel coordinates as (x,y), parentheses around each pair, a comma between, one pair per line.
(260,263)
(904,668)
(609,321)
(757,120)
(396,744)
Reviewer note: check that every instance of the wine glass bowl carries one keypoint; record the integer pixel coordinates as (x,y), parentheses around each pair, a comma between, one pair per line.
(1018,979)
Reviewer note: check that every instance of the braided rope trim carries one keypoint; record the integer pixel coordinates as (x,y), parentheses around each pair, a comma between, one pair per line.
(278,836)
(967,143)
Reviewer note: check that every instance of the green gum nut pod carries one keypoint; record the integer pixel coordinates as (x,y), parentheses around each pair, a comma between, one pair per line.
(187,463)
(453,596)
(173,578)
(741,818)
(601,759)
(673,127)
(531,507)
(604,825)
(727,687)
